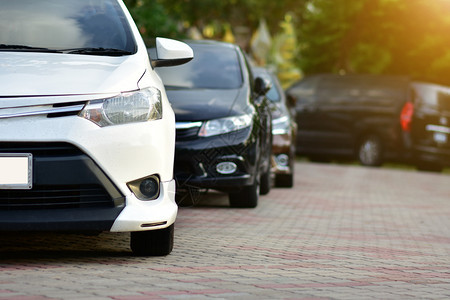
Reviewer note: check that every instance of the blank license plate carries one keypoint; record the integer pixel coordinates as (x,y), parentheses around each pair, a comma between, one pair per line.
(16,171)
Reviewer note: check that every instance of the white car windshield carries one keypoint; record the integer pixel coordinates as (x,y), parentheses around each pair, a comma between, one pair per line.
(97,27)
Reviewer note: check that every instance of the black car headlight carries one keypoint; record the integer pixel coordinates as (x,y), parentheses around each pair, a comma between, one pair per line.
(225,125)
(280,125)
(139,106)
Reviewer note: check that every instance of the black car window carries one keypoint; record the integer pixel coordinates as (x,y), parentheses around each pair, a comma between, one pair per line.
(30,25)
(213,67)
(273,94)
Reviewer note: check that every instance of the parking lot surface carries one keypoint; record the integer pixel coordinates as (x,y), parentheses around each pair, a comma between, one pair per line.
(343,232)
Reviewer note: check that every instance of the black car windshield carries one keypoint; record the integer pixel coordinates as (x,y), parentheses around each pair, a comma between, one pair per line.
(96,27)
(273,94)
(213,67)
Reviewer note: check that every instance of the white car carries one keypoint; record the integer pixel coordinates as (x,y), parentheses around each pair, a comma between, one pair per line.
(87,133)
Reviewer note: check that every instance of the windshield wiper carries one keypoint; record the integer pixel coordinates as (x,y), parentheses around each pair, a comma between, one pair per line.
(98,51)
(175,87)
(6,47)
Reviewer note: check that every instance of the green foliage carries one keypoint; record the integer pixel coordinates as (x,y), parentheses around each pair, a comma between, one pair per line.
(377,36)
(351,36)
(247,13)
(369,58)
(152,20)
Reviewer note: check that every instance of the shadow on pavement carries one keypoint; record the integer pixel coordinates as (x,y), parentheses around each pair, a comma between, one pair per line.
(196,199)
(49,246)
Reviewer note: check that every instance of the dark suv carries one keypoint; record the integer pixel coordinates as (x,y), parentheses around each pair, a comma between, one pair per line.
(366,117)
(430,127)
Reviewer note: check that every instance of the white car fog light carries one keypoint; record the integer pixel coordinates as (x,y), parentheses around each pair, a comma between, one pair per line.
(226,167)
(282,160)
(149,187)
(145,188)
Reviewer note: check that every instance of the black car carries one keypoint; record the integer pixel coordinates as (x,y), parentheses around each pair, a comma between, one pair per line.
(430,126)
(284,130)
(223,123)
(364,117)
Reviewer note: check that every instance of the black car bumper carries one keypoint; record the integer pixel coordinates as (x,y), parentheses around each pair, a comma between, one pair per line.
(196,161)
(69,192)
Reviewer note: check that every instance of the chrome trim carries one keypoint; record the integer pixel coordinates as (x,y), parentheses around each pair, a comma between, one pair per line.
(187,125)
(437,128)
(46,111)
(146,225)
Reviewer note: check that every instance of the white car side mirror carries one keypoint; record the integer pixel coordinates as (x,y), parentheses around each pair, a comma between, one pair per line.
(171,53)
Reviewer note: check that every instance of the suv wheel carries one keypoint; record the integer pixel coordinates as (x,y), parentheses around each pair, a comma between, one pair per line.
(370,151)
(246,198)
(152,242)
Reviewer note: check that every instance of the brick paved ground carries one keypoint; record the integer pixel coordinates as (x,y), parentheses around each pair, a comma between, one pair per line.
(344,232)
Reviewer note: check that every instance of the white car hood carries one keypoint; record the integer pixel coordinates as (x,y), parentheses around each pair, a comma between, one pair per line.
(28,74)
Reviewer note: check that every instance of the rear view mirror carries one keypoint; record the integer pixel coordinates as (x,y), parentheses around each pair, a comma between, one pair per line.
(171,53)
(262,86)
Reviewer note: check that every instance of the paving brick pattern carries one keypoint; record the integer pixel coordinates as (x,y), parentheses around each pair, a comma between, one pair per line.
(343,232)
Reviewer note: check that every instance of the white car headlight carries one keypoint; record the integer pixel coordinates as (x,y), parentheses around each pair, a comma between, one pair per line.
(139,106)
(280,125)
(225,125)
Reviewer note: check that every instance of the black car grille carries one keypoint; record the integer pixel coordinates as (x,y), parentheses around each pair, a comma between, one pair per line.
(39,149)
(72,109)
(187,134)
(50,197)
(57,190)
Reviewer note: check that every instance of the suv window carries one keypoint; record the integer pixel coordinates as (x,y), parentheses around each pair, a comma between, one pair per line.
(338,90)
(65,25)
(304,91)
(444,101)
(425,95)
(366,90)
(431,96)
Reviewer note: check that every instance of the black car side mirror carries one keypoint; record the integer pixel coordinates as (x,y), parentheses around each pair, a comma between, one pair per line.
(291,101)
(261,86)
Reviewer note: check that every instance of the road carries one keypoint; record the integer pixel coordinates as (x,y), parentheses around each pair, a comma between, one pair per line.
(343,232)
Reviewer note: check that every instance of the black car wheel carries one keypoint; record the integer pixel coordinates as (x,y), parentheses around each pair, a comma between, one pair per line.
(246,198)
(284,180)
(152,242)
(265,182)
(370,151)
